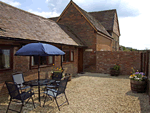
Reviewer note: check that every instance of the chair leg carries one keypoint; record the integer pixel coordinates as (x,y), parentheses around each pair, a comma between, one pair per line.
(21,106)
(8,105)
(45,100)
(66,98)
(33,91)
(33,102)
(57,104)
(27,101)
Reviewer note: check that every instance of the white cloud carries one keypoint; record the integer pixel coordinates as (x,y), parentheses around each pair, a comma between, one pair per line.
(44,14)
(135,30)
(52,5)
(47,1)
(79,1)
(12,2)
(39,8)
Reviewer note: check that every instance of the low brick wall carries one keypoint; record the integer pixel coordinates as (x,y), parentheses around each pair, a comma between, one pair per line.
(107,59)
(89,61)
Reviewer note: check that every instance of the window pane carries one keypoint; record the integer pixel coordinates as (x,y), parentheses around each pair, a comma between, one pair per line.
(4,58)
(63,58)
(34,60)
(50,59)
(43,60)
(67,56)
(72,55)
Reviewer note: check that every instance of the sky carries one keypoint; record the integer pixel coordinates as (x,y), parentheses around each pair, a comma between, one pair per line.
(133,15)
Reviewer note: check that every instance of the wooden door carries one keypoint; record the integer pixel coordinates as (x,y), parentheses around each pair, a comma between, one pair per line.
(80,60)
(145,67)
(148,73)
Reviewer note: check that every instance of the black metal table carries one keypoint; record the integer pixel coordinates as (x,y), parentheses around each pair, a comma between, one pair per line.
(41,82)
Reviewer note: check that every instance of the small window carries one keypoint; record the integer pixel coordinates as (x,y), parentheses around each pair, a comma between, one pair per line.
(5,58)
(44,60)
(34,60)
(63,58)
(50,59)
(68,57)
(72,56)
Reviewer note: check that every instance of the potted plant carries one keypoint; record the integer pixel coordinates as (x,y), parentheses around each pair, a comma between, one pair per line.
(68,75)
(115,71)
(138,81)
(56,70)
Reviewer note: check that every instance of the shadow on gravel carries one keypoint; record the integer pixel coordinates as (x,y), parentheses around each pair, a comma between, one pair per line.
(144,101)
(102,75)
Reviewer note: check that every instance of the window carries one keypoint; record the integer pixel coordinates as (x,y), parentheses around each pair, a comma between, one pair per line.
(68,57)
(5,58)
(72,56)
(44,60)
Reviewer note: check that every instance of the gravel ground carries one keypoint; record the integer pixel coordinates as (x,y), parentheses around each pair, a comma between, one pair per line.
(92,93)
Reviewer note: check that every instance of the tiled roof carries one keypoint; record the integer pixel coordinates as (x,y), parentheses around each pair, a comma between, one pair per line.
(106,18)
(95,22)
(54,18)
(16,23)
(72,34)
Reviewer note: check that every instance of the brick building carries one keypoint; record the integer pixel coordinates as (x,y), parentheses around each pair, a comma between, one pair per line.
(78,33)
(99,31)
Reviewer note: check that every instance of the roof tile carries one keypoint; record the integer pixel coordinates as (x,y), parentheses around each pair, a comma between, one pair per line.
(24,25)
(106,18)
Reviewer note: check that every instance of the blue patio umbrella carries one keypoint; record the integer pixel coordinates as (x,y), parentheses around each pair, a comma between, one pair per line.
(39,49)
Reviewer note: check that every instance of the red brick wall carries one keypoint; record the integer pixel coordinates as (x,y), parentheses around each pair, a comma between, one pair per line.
(21,64)
(81,27)
(115,44)
(103,43)
(89,61)
(107,59)
(72,67)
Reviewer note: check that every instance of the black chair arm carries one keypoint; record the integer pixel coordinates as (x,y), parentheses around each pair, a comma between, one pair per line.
(23,94)
(61,86)
(17,84)
(29,91)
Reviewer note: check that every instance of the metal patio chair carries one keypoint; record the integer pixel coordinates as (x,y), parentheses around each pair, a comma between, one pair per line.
(19,80)
(57,93)
(57,76)
(15,94)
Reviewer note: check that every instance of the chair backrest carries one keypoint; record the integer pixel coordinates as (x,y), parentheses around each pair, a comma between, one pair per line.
(57,76)
(12,89)
(62,85)
(18,78)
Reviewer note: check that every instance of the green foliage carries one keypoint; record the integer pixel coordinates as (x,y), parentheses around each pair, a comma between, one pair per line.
(116,67)
(128,48)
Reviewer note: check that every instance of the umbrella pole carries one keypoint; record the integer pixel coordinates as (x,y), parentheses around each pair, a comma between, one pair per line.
(39,78)
(61,57)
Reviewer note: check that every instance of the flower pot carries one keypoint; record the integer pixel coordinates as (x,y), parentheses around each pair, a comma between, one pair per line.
(68,75)
(138,86)
(69,79)
(114,72)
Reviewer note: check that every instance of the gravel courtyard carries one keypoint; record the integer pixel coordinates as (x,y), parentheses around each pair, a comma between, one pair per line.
(93,93)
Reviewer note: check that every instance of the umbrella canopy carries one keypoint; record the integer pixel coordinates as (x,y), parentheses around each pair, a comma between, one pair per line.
(39,49)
